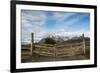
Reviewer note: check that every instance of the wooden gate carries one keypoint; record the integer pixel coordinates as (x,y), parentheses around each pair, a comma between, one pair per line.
(59,50)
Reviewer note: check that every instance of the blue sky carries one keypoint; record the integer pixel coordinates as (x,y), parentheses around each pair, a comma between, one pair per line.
(68,21)
(44,23)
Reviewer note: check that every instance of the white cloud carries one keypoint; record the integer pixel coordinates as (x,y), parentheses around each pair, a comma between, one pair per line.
(60,16)
(71,34)
(32,21)
(61,33)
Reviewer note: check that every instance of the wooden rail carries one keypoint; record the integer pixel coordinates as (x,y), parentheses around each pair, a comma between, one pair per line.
(65,50)
(57,50)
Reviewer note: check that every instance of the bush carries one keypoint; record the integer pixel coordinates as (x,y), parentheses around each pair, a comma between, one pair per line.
(49,40)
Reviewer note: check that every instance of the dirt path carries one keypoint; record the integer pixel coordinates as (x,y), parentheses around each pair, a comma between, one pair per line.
(38,58)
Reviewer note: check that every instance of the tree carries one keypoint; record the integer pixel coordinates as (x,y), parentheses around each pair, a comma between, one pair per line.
(49,40)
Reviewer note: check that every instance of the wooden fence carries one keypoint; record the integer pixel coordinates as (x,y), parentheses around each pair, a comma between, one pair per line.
(56,50)
(59,50)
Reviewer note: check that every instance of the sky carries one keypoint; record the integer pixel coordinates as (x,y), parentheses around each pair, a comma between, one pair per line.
(44,23)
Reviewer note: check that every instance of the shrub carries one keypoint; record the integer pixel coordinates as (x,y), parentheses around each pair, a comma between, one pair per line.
(49,40)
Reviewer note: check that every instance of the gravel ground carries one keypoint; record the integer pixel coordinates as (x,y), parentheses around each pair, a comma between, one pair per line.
(38,58)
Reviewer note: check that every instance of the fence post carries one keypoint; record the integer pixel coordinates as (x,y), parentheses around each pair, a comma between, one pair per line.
(32,42)
(83,43)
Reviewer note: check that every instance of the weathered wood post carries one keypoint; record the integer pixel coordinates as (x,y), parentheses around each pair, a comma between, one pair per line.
(55,50)
(32,43)
(83,43)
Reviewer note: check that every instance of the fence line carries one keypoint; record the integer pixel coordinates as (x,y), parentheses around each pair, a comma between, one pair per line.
(57,50)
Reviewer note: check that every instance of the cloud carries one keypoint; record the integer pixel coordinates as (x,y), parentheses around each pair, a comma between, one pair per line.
(71,34)
(71,20)
(61,16)
(32,21)
(60,33)
(66,24)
